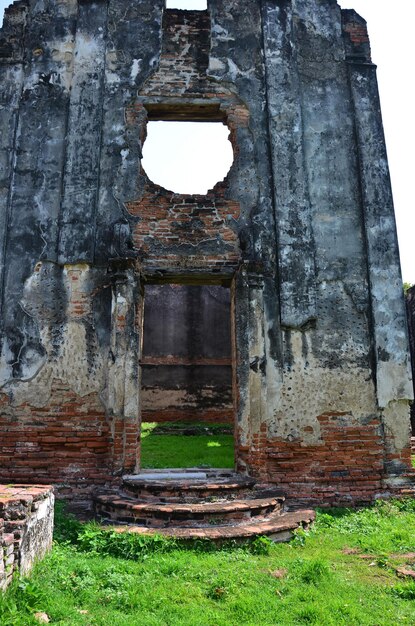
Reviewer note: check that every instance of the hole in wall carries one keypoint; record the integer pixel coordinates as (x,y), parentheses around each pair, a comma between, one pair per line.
(189,5)
(187,157)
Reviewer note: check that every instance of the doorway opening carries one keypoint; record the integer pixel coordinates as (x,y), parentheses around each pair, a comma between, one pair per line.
(186,377)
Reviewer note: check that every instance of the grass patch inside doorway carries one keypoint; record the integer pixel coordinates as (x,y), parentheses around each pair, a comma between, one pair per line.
(177,445)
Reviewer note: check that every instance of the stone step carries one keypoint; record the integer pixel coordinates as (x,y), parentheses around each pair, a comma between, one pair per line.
(116,508)
(199,503)
(278,527)
(186,485)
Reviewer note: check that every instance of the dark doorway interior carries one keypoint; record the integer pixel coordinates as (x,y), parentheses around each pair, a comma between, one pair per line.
(187,375)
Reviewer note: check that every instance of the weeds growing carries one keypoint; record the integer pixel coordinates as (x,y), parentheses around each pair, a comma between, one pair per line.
(341,572)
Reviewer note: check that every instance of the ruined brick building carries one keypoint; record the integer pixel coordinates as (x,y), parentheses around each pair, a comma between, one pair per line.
(292,258)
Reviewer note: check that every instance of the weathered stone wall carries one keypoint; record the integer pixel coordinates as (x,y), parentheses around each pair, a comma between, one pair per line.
(410,310)
(302,231)
(26,527)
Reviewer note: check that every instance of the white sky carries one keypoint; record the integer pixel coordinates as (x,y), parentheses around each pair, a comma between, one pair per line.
(186,4)
(393,46)
(201,149)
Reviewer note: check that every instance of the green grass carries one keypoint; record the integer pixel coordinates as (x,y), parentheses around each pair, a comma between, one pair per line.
(94,577)
(174,450)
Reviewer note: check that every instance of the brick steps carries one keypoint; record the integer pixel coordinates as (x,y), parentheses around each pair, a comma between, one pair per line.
(278,527)
(162,515)
(194,503)
(187,485)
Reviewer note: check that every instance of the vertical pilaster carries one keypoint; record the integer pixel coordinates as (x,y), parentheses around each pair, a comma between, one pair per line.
(257,354)
(393,375)
(251,368)
(123,386)
(83,148)
(296,264)
(11,79)
(389,328)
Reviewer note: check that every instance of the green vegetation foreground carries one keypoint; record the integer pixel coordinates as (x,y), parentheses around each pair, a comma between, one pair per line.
(353,568)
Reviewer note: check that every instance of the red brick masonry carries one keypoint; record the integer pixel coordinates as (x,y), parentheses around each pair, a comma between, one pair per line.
(67,441)
(346,468)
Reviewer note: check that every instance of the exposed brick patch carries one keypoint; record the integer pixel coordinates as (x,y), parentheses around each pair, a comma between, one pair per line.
(68,442)
(355,36)
(184,56)
(186,230)
(79,299)
(357,32)
(347,467)
(403,458)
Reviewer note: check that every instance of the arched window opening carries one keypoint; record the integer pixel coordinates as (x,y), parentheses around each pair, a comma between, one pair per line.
(187,157)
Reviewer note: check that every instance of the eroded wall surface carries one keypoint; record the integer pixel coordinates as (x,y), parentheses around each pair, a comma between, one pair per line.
(301,230)
(26,528)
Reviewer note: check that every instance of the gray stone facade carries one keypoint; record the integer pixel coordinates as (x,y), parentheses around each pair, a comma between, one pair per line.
(301,231)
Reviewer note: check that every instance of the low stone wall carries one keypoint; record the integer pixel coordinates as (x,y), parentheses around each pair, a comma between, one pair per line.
(26,527)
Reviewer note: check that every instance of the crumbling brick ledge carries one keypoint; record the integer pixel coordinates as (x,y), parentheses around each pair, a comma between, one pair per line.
(26,527)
